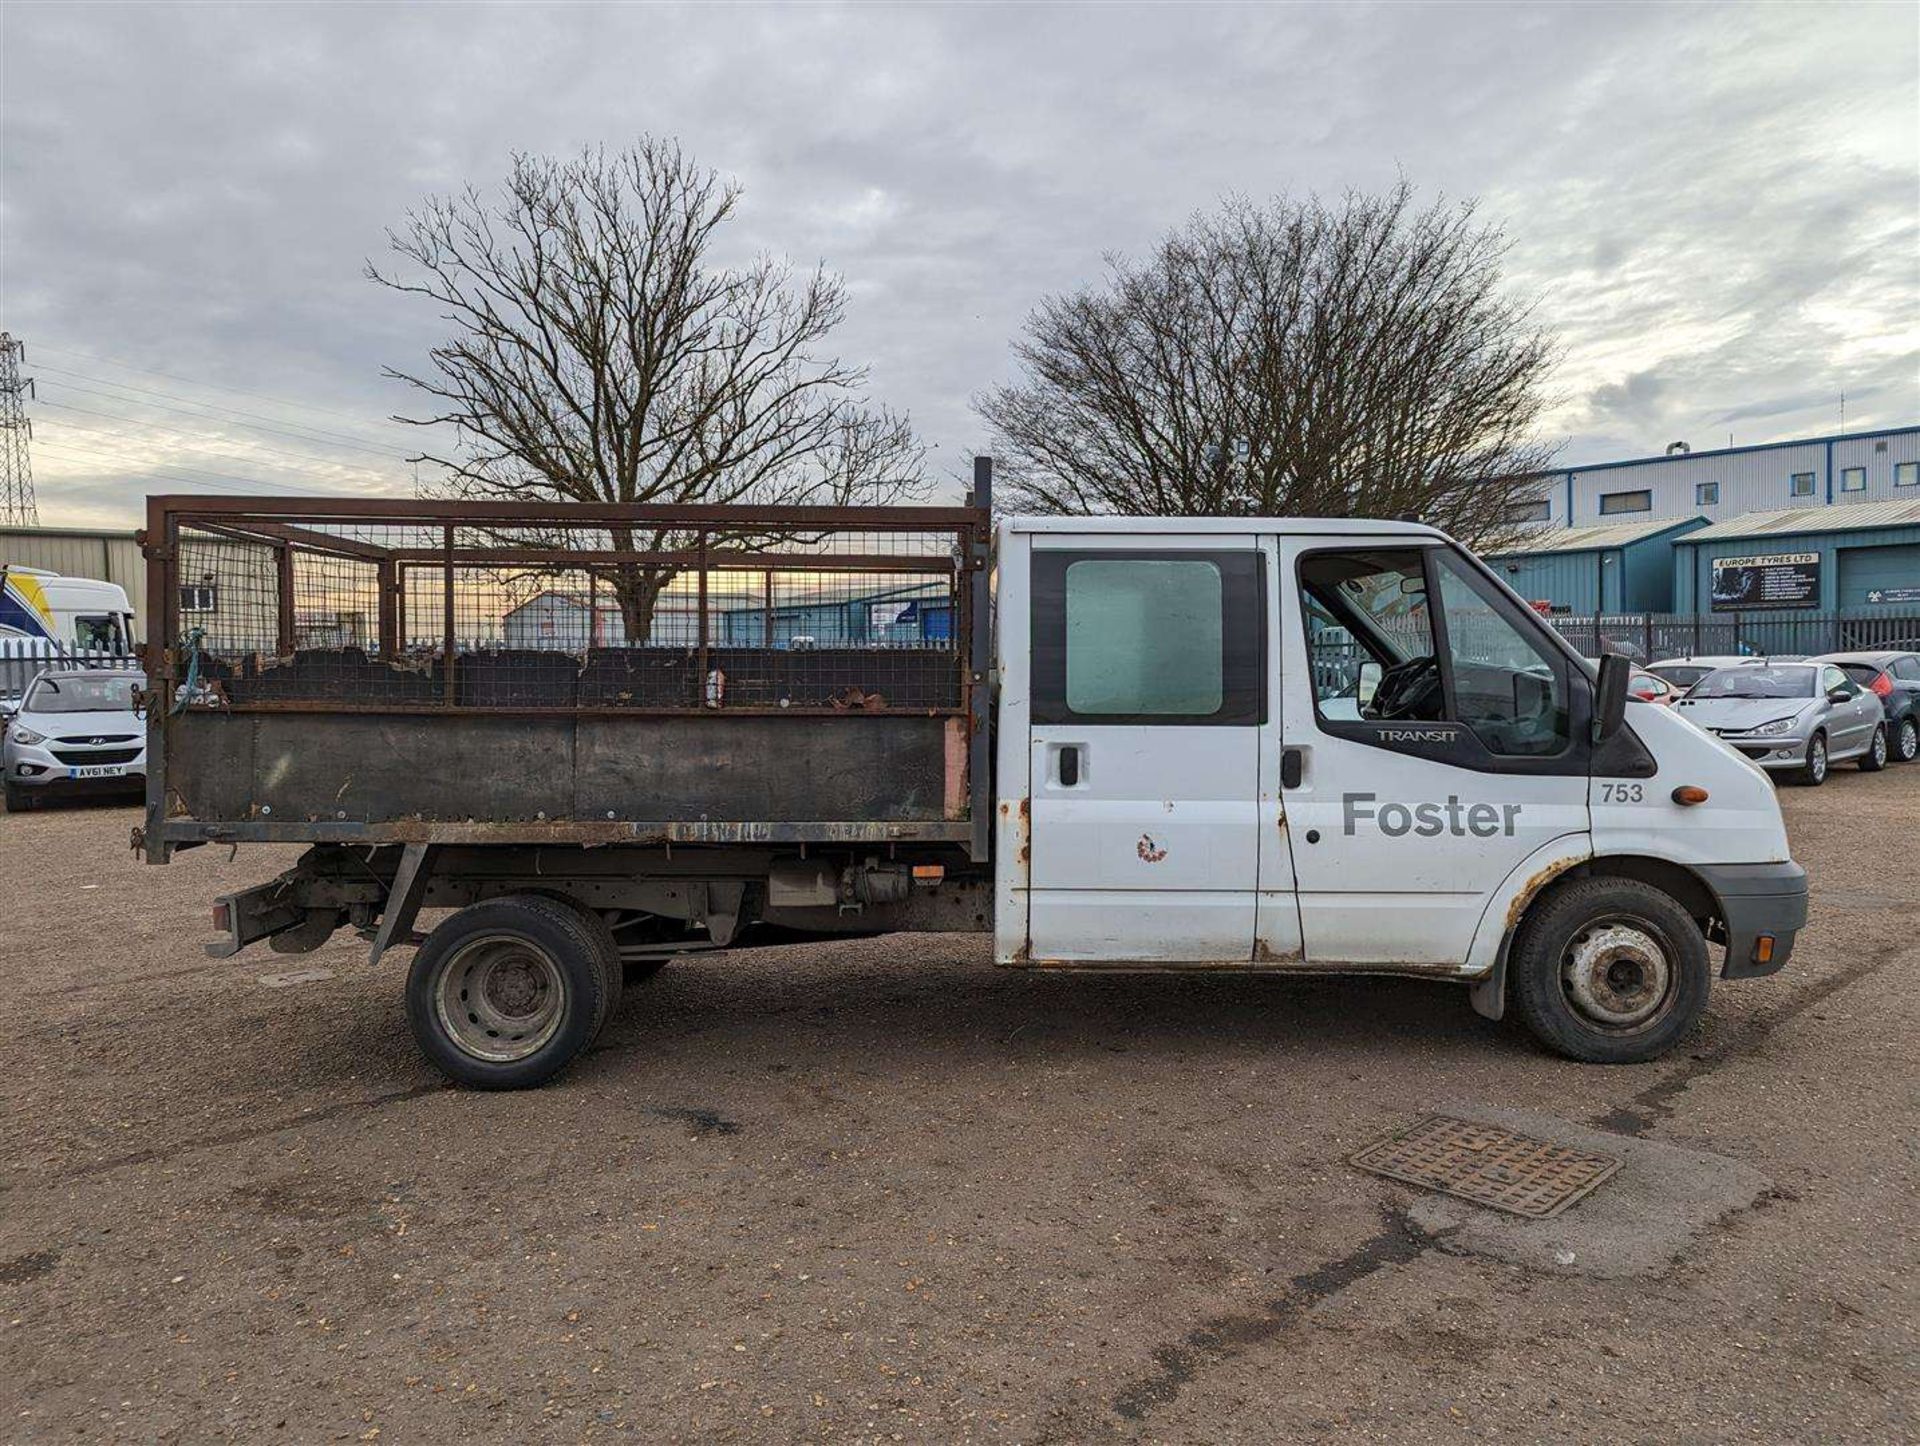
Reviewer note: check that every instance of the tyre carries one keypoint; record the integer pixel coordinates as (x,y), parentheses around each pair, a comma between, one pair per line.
(1609,971)
(606,957)
(1906,740)
(19,800)
(505,993)
(1813,772)
(1875,758)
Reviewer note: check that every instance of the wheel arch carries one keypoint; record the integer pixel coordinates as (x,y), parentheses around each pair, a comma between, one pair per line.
(1679,881)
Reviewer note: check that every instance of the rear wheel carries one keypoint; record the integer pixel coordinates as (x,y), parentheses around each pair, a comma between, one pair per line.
(1875,758)
(1906,740)
(1610,971)
(505,993)
(1813,772)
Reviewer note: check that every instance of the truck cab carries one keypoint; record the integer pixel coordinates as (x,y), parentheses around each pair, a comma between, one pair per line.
(1346,746)
(69,614)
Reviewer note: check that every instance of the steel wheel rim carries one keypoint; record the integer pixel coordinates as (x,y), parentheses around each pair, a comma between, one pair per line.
(1618,974)
(500,997)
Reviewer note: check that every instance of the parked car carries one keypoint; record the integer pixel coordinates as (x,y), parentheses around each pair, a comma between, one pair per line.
(1683,672)
(1645,687)
(1798,718)
(1893,677)
(75,732)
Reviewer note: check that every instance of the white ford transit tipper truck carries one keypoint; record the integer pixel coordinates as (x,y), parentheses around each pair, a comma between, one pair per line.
(1281,745)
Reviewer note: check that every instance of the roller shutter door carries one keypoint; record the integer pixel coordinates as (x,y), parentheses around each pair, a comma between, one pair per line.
(1867,570)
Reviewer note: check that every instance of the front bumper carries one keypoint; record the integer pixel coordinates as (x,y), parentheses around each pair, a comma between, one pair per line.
(1770,753)
(1764,906)
(34,765)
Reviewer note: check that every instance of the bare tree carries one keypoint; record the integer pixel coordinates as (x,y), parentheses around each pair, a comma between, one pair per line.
(599,354)
(1291,359)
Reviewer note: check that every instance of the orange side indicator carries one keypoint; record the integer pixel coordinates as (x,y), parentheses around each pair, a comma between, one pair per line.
(1763,949)
(1686,795)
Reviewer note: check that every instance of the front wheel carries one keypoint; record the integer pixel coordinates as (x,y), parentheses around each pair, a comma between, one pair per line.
(1875,758)
(19,800)
(1813,772)
(1609,971)
(505,993)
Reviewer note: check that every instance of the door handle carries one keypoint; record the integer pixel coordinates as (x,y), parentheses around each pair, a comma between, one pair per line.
(1070,765)
(1292,761)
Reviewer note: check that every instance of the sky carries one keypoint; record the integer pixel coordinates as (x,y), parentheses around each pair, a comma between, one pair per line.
(1716,208)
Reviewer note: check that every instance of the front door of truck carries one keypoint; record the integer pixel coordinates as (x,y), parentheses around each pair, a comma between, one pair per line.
(1440,742)
(1149,692)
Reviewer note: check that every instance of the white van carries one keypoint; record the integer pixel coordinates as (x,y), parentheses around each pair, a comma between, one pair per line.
(77,614)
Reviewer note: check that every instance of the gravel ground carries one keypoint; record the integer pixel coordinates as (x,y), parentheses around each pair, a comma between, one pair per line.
(879,1191)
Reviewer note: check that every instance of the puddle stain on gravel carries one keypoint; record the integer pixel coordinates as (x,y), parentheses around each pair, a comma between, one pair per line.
(704,1121)
(31,1266)
(1224,1337)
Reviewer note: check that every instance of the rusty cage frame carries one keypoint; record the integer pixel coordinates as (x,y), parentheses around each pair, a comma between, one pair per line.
(256,704)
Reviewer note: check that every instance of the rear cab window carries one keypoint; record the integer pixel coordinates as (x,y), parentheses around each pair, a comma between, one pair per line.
(1145,637)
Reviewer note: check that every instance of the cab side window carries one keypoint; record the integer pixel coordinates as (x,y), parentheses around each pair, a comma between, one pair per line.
(1367,618)
(100,632)
(1414,635)
(1149,637)
(1507,687)
(1831,678)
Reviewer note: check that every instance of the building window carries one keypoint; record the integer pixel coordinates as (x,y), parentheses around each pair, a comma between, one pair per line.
(1853,479)
(1539,510)
(1611,502)
(1801,484)
(1706,494)
(199,597)
(1906,474)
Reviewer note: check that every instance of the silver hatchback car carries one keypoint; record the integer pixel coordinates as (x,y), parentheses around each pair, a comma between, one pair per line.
(1797,718)
(75,732)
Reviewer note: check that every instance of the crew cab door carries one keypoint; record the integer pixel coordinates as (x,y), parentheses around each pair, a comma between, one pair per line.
(1149,672)
(1441,743)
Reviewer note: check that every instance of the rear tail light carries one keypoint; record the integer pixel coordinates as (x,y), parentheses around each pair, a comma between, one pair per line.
(1881,684)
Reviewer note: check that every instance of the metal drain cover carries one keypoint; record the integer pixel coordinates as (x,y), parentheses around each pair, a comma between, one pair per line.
(1488,1165)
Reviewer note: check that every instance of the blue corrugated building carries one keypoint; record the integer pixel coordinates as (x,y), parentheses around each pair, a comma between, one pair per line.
(1859,561)
(1625,567)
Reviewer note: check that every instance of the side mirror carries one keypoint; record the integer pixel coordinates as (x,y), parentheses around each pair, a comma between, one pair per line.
(1839,695)
(1610,696)
(1368,681)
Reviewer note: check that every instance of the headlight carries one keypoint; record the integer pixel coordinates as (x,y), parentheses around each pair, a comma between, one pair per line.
(25,735)
(1773,729)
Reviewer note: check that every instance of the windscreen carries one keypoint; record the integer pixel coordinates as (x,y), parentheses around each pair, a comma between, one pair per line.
(1756,682)
(81,695)
(1681,675)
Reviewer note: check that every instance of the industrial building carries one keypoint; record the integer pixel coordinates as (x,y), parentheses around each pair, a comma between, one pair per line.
(1850,469)
(1857,561)
(1821,526)
(1623,567)
(102,554)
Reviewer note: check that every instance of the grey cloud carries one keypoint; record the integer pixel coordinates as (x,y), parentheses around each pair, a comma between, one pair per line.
(1716,205)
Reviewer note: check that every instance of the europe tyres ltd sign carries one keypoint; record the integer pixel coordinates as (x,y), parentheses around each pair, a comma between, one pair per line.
(1766,580)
